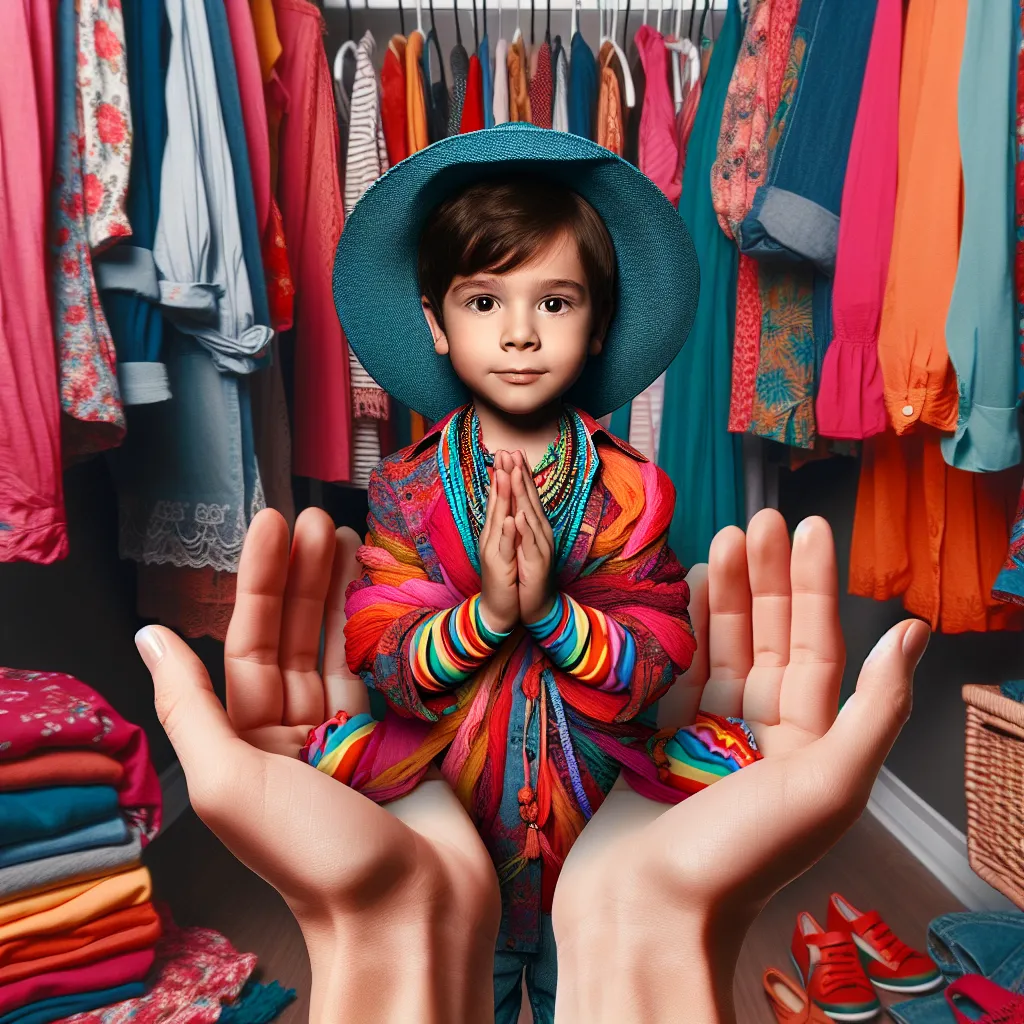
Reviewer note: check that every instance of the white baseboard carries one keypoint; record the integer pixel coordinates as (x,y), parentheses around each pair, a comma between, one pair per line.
(172,782)
(940,847)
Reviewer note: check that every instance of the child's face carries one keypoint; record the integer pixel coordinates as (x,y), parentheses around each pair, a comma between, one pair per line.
(519,340)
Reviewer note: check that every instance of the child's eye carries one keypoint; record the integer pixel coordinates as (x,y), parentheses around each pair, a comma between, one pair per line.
(482,304)
(555,305)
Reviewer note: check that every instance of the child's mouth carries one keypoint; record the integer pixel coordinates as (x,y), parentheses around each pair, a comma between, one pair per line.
(520,376)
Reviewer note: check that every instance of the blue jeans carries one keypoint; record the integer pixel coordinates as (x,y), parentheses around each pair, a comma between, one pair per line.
(795,215)
(990,943)
(541,974)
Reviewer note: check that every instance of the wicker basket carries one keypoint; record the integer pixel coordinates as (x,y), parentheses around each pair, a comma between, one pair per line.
(994,785)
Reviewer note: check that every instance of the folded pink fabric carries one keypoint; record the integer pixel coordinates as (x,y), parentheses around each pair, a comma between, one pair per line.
(118,970)
(49,711)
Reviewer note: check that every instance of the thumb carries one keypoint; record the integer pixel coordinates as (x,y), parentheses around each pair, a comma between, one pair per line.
(190,712)
(870,720)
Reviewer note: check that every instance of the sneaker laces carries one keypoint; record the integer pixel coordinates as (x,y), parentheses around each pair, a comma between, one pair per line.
(886,941)
(843,966)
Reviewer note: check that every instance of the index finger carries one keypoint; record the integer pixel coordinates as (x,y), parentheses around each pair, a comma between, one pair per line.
(253,681)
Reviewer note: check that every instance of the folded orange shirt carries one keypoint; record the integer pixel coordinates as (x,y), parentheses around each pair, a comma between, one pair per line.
(57,910)
(61,768)
(123,931)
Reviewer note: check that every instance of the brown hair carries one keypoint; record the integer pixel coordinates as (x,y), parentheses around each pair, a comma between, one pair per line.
(496,226)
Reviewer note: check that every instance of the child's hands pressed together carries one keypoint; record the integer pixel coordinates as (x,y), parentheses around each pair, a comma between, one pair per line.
(535,542)
(499,593)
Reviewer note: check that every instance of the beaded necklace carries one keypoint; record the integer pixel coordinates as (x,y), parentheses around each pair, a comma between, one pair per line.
(563,477)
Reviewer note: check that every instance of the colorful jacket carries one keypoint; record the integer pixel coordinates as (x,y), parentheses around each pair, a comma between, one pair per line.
(522,737)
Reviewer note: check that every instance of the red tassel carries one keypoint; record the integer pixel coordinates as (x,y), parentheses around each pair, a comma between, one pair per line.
(532,850)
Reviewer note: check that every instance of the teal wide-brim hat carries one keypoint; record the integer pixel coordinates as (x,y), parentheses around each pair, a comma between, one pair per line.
(376,279)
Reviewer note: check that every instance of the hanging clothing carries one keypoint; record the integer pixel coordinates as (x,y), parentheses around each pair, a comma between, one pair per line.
(273,289)
(500,106)
(32,519)
(89,391)
(367,157)
(560,100)
(850,402)
(279,285)
(687,115)
(980,331)
(313,218)
(126,273)
(1019,204)
(583,87)
(268,43)
(487,81)
(935,535)
(437,98)
(473,105)
(518,89)
(393,100)
(795,217)
(743,155)
(610,129)
(541,87)
(367,161)
(459,63)
(187,478)
(417,133)
(919,381)
(696,446)
(658,143)
(106,120)
(632,116)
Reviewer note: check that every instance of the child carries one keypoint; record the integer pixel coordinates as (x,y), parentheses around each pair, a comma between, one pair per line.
(519,610)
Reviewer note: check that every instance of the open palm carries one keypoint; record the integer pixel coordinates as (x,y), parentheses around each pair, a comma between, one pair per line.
(770,650)
(323,846)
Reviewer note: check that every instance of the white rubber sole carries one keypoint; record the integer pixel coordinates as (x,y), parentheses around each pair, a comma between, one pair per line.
(831,1014)
(928,986)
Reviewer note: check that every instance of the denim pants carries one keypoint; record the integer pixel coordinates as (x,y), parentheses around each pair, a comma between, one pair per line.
(990,943)
(541,974)
(795,214)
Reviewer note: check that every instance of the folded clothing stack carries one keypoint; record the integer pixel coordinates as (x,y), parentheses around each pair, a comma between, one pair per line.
(79,800)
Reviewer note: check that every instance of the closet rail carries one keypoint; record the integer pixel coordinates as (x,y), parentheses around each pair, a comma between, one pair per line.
(556,5)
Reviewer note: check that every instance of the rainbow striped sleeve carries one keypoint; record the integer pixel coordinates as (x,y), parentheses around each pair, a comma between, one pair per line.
(335,747)
(446,649)
(587,644)
(693,757)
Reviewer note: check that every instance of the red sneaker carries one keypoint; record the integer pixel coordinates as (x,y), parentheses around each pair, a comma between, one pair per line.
(830,969)
(890,963)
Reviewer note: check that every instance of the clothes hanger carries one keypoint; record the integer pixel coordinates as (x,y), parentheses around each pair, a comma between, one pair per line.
(574,19)
(547,28)
(675,52)
(349,46)
(518,34)
(533,13)
(625,25)
(476,30)
(627,76)
(703,18)
(693,11)
(458,27)
(401,16)
(419,18)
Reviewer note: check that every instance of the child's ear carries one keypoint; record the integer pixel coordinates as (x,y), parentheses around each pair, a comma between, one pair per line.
(436,330)
(596,344)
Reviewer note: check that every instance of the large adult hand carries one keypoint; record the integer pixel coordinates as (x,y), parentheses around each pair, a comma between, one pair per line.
(671,891)
(411,886)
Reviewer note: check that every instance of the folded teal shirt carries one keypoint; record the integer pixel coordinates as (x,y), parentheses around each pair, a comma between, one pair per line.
(40,813)
(59,1007)
(104,833)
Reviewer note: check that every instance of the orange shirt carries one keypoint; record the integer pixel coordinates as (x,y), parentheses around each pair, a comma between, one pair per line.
(936,535)
(920,383)
(518,87)
(610,132)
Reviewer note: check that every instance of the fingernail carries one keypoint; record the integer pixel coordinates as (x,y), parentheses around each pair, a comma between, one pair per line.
(915,643)
(802,529)
(147,640)
(883,645)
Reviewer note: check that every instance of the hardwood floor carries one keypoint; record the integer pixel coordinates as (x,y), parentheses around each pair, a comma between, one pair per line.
(205,885)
